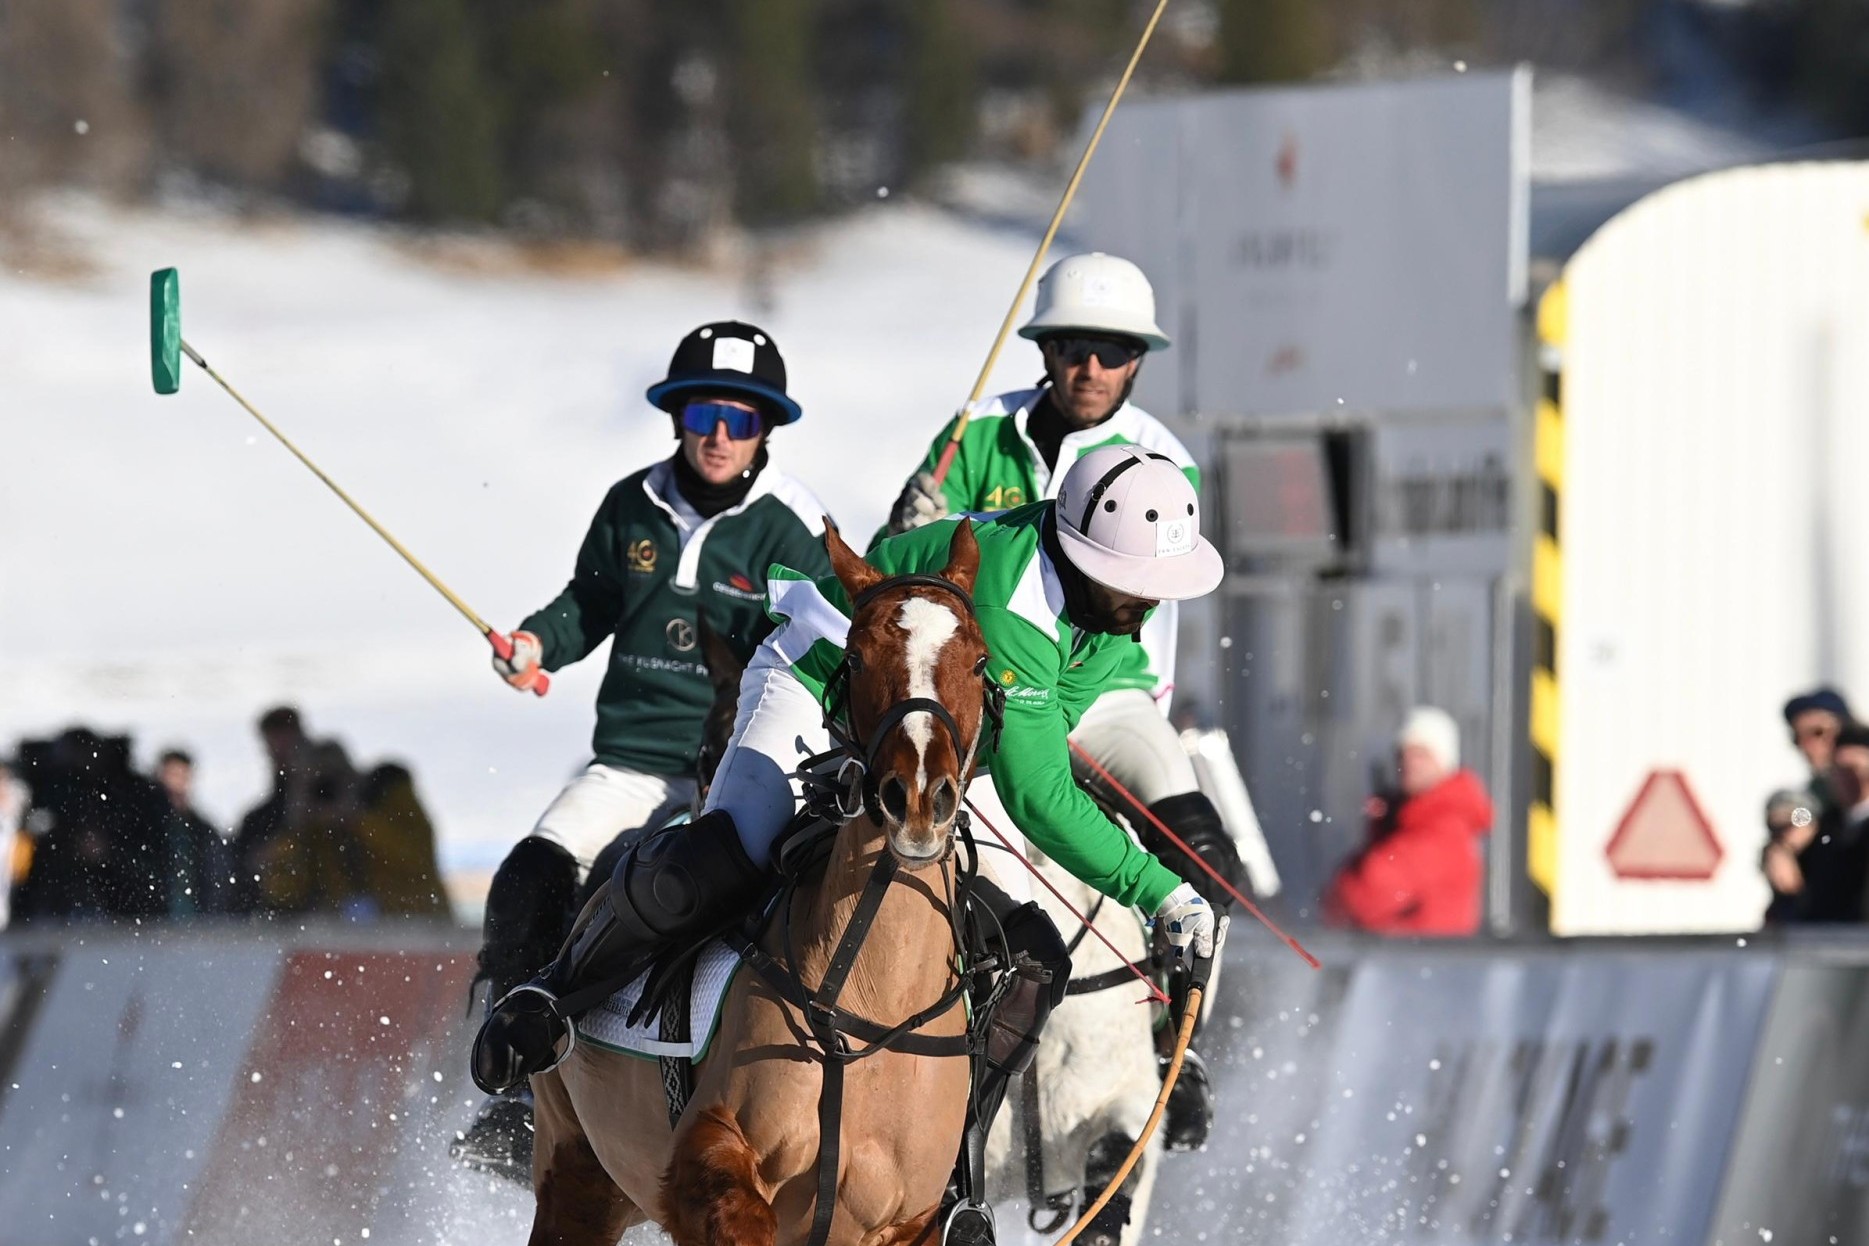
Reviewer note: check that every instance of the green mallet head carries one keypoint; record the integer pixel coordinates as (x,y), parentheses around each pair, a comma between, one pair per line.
(165,330)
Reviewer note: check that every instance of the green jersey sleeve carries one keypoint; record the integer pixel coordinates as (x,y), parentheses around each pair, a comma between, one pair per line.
(1031,767)
(585,614)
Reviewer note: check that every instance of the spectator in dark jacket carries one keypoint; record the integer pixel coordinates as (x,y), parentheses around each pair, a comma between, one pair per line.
(285,809)
(1422,870)
(196,864)
(1818,867)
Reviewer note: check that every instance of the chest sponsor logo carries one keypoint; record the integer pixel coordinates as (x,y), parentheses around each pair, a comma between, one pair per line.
(1003,498)
(737,585)
(680,633)
(641,555)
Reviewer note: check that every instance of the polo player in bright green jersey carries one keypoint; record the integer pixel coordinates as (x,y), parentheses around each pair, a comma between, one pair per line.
(1094,321)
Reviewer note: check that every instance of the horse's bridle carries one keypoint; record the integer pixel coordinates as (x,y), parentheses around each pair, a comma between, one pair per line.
(860,754)
(833,1027)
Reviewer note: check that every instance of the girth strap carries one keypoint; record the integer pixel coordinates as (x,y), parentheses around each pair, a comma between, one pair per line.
(1108,978)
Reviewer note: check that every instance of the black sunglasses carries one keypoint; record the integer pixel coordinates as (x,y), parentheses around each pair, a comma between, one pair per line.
(1072,351)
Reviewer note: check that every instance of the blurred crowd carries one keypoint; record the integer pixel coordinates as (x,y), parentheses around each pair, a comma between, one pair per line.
(1816,855)
(85,835)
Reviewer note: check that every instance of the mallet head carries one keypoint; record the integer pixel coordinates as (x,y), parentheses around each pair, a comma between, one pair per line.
(165,330)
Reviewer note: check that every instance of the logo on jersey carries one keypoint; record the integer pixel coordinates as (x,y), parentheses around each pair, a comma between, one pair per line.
(1003,498)
(1008,678)
(642,555)
(680,635)
(737,585)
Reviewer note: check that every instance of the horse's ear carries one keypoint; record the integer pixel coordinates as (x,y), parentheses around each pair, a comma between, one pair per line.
(724,666)
(963,556)
(852,572)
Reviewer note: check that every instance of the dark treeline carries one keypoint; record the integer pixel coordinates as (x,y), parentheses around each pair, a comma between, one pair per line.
(655,124)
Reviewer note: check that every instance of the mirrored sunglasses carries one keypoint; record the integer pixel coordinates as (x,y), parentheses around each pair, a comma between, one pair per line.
(700,418)
(1072,351)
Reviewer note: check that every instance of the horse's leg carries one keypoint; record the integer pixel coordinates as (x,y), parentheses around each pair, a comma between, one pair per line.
(578,1203)
(1106,1156)
(711,1195)
(1142,1191)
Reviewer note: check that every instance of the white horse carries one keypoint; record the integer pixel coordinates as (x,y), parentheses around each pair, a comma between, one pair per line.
(1096,1072)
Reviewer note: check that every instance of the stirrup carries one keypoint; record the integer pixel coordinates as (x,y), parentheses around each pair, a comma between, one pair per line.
(969,1224)
(513,1008)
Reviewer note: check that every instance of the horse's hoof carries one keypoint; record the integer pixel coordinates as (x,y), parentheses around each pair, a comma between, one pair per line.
(499,1140)
(969,1224)
(1107,1228)
(1190,1115)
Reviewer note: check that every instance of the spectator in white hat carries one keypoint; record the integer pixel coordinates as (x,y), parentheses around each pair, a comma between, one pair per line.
(1421,872)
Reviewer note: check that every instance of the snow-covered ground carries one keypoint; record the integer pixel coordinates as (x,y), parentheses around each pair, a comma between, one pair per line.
(168,570)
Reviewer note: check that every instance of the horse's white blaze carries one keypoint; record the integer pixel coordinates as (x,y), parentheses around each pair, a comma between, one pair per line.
(929,626)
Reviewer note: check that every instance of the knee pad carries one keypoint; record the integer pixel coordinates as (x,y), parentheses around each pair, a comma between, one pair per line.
(1193,817)
(672,876)
(1029,929)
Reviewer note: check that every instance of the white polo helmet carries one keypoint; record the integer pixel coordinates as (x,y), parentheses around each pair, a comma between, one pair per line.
(1095,293)
(1129,519)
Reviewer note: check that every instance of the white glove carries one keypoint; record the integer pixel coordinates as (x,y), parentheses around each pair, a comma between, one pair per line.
(1186,926)
(521,670)
(921,502)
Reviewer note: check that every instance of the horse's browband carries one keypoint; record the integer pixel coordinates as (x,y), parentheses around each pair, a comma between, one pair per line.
(915,580)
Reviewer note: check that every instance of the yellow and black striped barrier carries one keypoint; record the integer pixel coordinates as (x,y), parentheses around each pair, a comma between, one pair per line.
(1547,585)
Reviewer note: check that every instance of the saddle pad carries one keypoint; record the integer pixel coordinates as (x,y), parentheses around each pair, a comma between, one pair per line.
(607,1026)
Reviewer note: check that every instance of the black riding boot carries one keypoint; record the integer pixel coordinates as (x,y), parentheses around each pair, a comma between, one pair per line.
(530,905)
(683,881)
(1041,969)
(1190,1115)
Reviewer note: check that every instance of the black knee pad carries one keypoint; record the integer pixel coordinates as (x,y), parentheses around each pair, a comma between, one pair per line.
(1029,929)
(673,875)
(1193,817)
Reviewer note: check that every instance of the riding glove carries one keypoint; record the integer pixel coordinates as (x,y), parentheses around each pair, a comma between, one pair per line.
(522,670)
(921,502)
(1187,926)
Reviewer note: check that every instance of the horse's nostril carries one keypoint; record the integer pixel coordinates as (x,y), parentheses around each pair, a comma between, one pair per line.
(894,795)
(946,800)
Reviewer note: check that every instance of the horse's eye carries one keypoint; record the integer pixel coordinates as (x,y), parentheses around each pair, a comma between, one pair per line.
(855,659)
(979,668)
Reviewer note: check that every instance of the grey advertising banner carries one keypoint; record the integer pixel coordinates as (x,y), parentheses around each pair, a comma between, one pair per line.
(1323,248)
(1423,1096)
(1800,1168)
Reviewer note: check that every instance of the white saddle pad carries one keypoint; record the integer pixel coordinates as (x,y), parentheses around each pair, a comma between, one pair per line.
(606,1025)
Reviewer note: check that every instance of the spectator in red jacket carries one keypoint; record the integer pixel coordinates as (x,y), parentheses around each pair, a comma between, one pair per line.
(1422,870)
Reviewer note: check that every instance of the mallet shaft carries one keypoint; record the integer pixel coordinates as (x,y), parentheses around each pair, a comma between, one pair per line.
(499,642)
(1044,245)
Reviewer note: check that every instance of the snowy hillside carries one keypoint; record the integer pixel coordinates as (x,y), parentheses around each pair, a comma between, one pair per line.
(168,570)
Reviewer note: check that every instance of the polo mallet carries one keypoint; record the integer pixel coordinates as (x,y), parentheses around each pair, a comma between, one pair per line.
(166,348)
(1198,975)
(1044,245)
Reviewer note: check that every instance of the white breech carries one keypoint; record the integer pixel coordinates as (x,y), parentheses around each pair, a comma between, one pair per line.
(1125,731)
(605,801)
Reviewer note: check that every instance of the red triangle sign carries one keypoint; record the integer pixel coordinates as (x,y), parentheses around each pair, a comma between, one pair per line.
(1664,834)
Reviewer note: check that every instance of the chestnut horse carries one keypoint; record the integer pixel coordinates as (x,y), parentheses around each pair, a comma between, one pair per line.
(741,1166)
